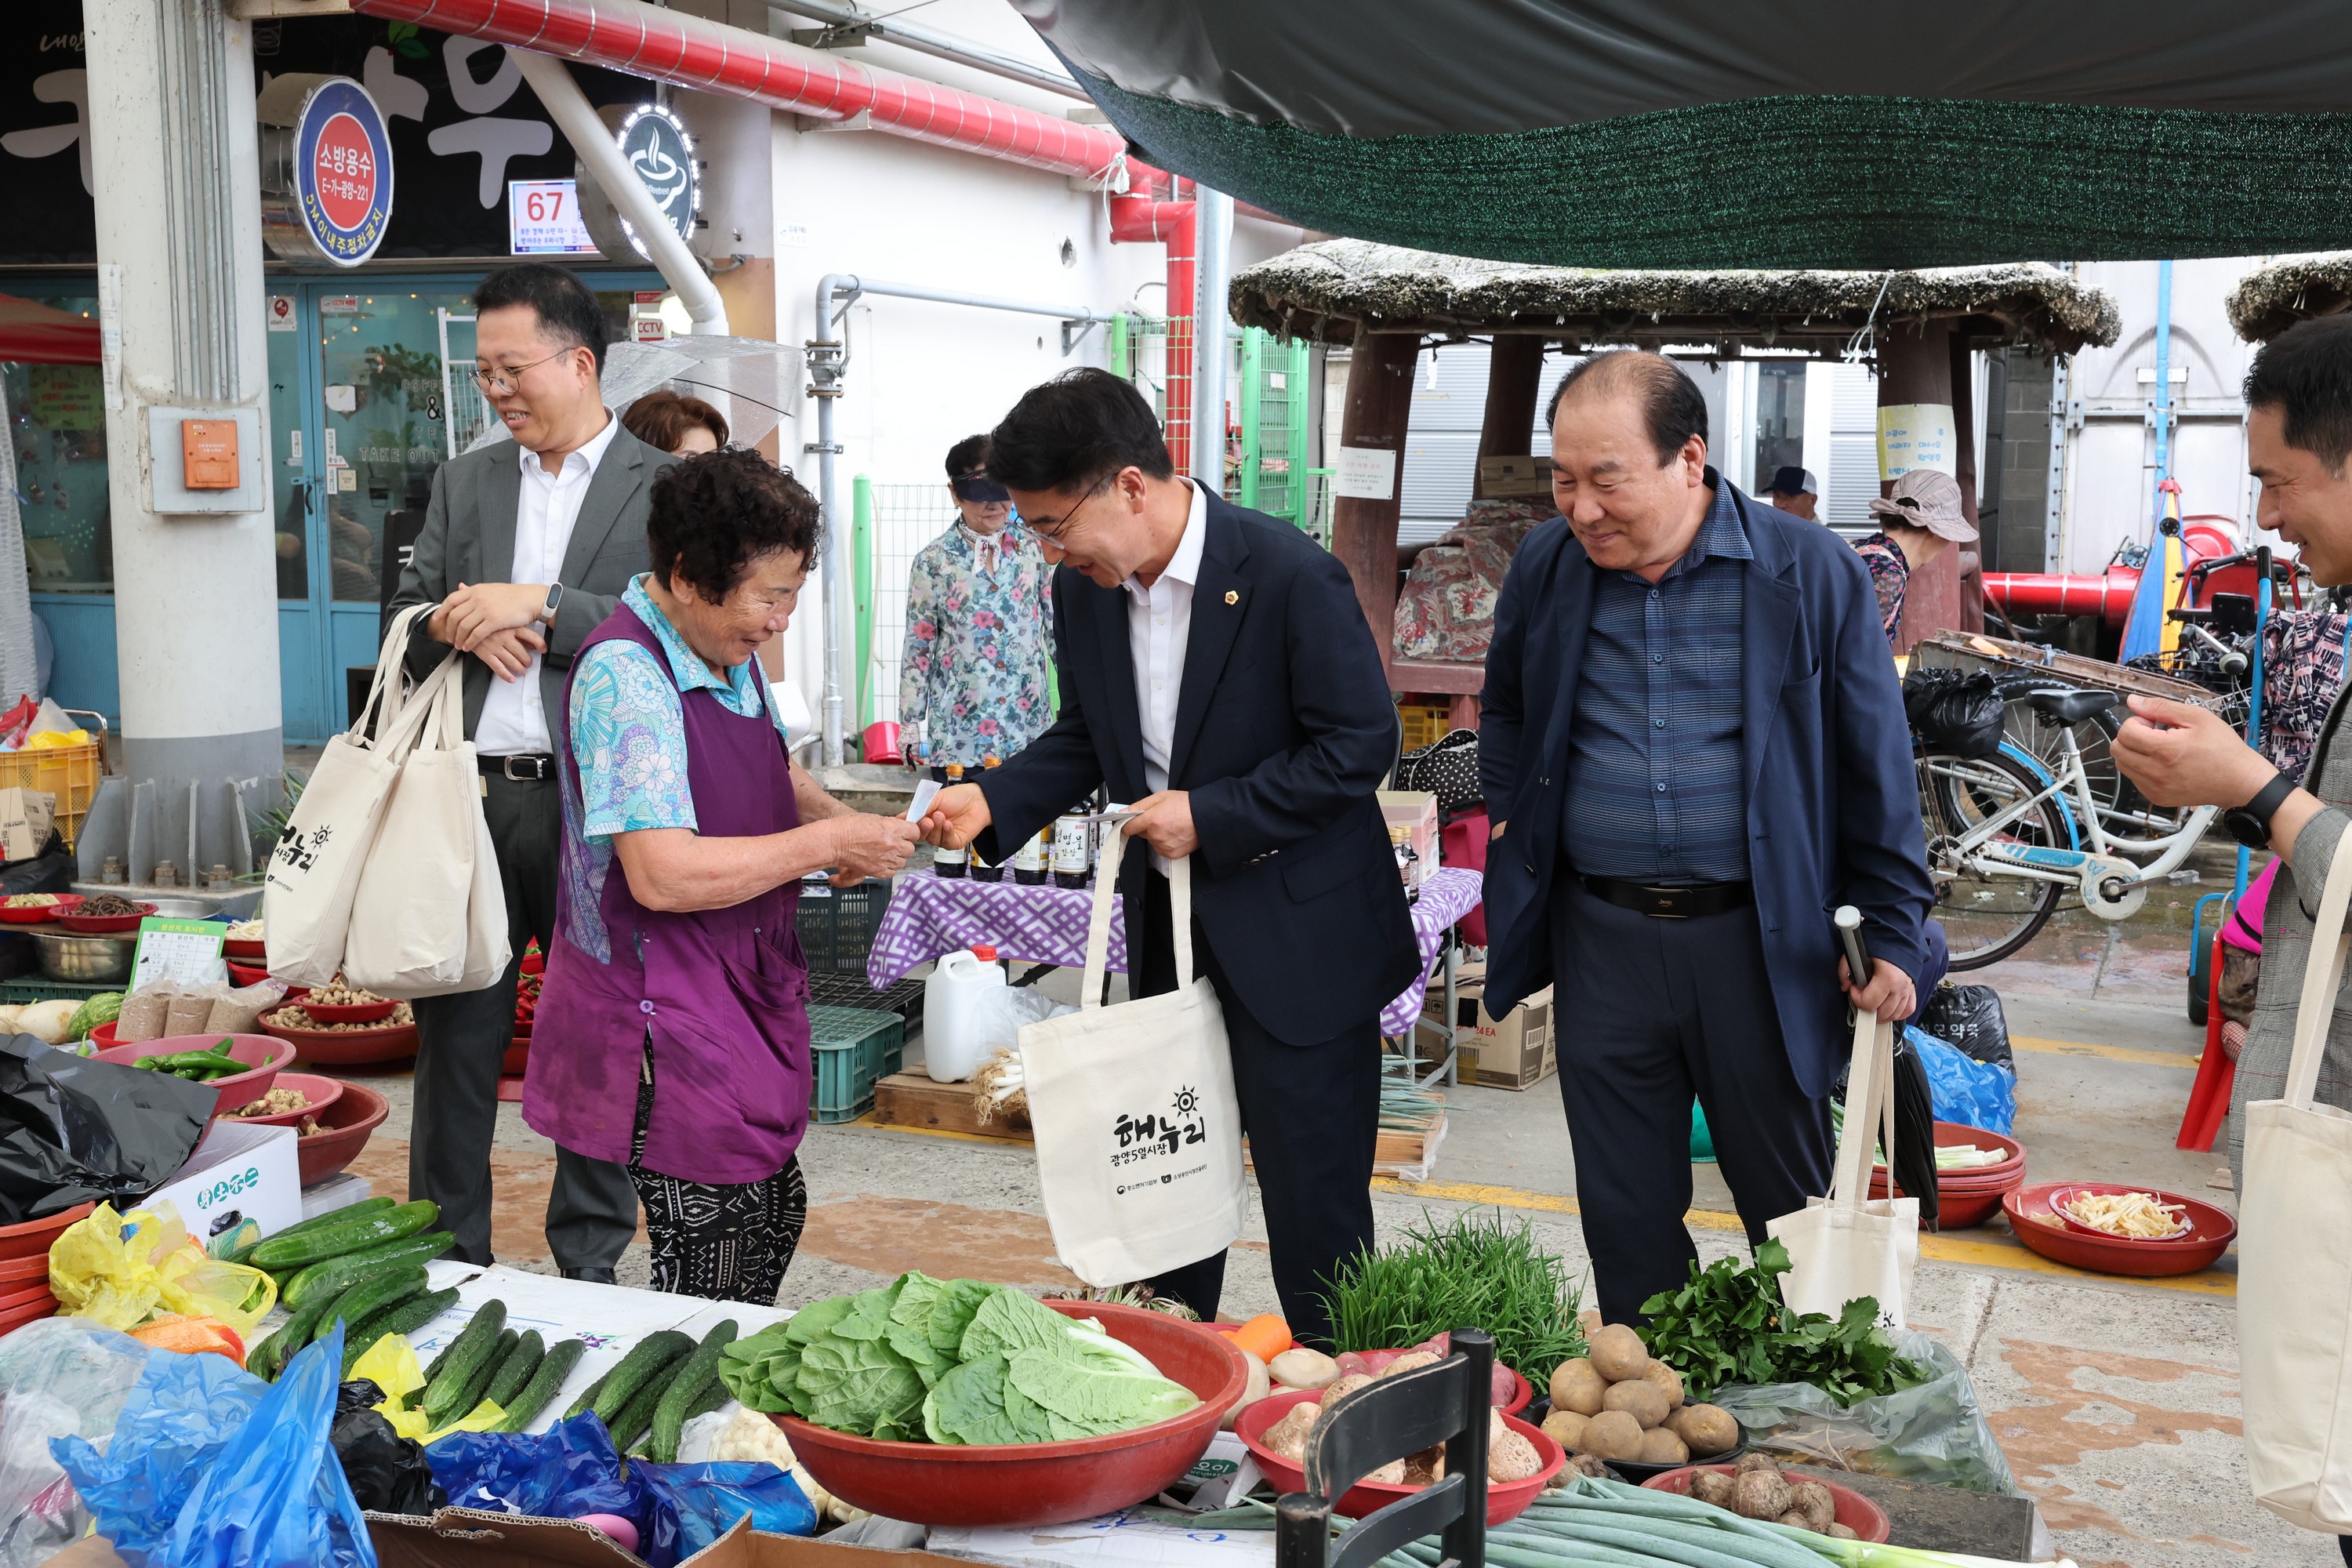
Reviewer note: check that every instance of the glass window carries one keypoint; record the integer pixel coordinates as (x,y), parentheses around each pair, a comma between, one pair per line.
(1779,418)
(57,416)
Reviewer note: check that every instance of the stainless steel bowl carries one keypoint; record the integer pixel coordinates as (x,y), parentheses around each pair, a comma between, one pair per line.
(85,960)
(181,908)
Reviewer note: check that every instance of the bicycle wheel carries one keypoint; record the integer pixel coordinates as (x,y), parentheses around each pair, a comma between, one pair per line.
(1986,916)
(2124,812)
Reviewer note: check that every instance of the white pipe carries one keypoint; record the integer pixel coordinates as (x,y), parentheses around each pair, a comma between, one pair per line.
(589,136)
(855,285)
(828,360)
(1213,275)
(940,45)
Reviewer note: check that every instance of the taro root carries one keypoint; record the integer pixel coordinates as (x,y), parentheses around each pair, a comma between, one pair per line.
(1566,1427)
(1759,1494)
(1816,1502)
(1617,1354)
(1661,1447)
(1843,1532)
(1576,1386)
(1797,1518)
(1757,1462)
(1712,1486)
(1613,1434)
(1644,1400)
(1584,1465)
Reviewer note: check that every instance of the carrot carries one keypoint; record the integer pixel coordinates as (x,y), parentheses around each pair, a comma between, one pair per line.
(1265,1336)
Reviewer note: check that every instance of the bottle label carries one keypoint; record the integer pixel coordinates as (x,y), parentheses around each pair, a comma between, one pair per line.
(1072,846)
(1031,855)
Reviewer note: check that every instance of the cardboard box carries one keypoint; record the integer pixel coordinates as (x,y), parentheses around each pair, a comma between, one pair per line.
(1518,1051)
(25,816)
(238,1170)
(465,1538)
(1415,809)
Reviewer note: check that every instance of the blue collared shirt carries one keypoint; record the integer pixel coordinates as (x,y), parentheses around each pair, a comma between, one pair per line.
(1654,793)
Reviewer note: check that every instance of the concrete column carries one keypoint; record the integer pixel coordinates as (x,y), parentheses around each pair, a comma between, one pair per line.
(174,160)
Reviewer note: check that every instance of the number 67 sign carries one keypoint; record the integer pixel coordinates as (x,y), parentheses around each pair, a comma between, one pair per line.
(543,219)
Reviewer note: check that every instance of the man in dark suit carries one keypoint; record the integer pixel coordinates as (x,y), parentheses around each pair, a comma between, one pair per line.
(1217,672)
(528,546)
(1694,744)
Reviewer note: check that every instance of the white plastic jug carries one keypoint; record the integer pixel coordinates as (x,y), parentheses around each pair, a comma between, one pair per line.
(960,1014)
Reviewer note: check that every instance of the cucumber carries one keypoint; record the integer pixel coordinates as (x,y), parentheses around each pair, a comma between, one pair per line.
(371,1295)
(351,1235)
(340,1273)
(515,1369)
(634,1422)
(332,1216)
(653,1353)
(587,1400)
(477,1390)
(553,1368)
(474,1346)
(291,1336)
(701,1370)
(400,1318)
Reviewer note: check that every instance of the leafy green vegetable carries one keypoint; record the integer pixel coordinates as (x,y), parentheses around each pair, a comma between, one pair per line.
(1474,1273)
(1085,1393)
(1728,1324)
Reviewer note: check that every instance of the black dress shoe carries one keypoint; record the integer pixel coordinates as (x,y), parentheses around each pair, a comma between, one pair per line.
(592,1276)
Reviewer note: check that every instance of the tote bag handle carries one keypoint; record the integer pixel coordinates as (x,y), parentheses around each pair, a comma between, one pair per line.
(2323,977)
(1179,908)
(1869,1112)
(386,695)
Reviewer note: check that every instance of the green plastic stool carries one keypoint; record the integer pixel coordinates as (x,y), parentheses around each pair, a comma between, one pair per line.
(1702,1140)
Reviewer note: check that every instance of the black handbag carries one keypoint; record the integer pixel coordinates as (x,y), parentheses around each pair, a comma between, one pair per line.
(1447,768)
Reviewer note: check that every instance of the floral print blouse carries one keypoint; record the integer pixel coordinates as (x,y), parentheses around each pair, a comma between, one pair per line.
(1890,574)
(979,641)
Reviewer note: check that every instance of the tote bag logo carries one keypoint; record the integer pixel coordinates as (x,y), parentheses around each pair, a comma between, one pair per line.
(1138,1139)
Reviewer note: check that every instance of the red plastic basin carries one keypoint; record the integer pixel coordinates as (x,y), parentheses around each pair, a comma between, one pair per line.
(33,1237)
(249,948)
(2212,1233)
(264,1054)
(1505,1502)
(347,1123)
(321,1093)
(1855,1512)
(1040,1483)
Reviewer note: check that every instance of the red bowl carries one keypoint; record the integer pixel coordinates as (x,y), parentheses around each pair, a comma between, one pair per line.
(105,925)
(16,1297)
(1040,1483)
(321,1092)
(246,973)
(245,947)
(39,914)
(32,1237)
(17,1273)
(344,1047)
(265,1056)
(1954,1135)
(518,1059)
(1856,1512)
(350,1012)
(11,1321)
(1505,1502)
(103,1037)
(2115,1254)
(347,1122)
(1959,1209)
(2062,1197)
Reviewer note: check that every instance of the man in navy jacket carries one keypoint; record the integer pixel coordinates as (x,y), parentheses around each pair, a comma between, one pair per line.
(1694,745)
(1216,672)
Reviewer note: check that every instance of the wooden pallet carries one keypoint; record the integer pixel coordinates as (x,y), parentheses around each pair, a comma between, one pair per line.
(912,1100)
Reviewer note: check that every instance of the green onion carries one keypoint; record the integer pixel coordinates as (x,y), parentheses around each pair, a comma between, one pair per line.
(1472,1273)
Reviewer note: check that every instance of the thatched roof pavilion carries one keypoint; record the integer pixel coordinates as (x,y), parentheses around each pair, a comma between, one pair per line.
(2272,298)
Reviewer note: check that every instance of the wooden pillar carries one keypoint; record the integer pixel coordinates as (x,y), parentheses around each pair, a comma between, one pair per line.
(1364,528)
(1914,366)
(1968,559)
(1513,377)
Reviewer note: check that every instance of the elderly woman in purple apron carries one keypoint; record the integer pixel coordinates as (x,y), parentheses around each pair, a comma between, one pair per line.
(674,1036)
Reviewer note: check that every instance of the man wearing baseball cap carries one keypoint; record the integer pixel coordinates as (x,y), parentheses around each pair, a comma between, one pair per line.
(1795,491)
(1918,522)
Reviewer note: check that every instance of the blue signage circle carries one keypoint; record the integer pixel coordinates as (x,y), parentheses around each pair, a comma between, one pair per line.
(343,172)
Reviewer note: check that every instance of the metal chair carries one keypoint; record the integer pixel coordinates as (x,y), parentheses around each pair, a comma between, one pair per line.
(1391,1419)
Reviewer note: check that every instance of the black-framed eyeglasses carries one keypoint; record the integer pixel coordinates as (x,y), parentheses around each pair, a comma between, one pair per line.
(501,380)
(1053,529)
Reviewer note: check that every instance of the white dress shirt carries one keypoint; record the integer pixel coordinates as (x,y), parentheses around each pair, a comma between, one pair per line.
(514,719)
(1159,624)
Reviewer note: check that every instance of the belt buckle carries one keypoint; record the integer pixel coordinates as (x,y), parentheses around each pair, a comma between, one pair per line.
(537,773)
(1664,900)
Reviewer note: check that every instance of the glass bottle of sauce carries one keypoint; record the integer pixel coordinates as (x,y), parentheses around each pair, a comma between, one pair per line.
(951,862)
(1029,862)
(981,871)
(1072,851)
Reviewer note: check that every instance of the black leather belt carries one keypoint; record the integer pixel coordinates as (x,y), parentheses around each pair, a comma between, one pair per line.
(529,768)
(1671,903)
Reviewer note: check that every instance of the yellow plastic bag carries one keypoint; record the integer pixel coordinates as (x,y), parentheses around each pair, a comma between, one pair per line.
(123,1269)
(391,1363)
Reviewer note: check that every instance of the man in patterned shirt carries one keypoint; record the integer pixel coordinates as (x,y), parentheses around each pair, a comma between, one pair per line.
(1693,741)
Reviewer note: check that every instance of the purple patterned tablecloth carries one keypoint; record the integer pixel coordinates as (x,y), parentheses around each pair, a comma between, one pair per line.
(930,914)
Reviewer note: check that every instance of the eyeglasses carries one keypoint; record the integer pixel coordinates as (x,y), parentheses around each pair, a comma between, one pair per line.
(1053,529)
(502,380)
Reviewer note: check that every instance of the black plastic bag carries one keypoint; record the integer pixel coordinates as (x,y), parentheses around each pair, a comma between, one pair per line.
(1954,711)
(1969,1018)
(388,1473)
(73,1128)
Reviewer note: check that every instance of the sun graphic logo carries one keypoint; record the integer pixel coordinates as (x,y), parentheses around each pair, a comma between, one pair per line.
(1188,1101)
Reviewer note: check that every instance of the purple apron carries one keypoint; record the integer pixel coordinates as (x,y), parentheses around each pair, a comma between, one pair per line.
(723,992)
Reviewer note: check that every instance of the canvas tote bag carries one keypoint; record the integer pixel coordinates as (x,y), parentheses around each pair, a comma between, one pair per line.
(1850,1243)
(1139,1130)
(314,870)
(2295,1259)
(421,893)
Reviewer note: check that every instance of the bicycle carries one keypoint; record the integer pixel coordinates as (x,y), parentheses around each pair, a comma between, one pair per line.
(2008,835)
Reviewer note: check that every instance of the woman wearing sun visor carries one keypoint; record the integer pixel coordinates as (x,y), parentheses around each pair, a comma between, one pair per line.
(980,618)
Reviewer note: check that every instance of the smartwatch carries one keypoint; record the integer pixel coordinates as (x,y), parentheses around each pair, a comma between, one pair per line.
(554,600)
(2250,824)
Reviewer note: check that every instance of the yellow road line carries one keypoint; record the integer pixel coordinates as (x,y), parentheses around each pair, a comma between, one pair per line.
(1988,1250)
(2185,1060)
(867,1120)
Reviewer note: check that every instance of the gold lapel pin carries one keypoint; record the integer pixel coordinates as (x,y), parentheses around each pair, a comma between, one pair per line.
(1231,596)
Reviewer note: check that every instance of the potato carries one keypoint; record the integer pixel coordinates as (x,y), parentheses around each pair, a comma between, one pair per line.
(1613,1434)
(1410,1360)
(1637,1398)
(1668,1380)
(1661,1447)
(1343,1386)
(1566,1427)
(1512,1459)
(1712,1486)
(1816,1502)
(1759,1494)
(1617,1354)
(1707,1428)
(1576,1386)
(1303,1368)
(1257,1390)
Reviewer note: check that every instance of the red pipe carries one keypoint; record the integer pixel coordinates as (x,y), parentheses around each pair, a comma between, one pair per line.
(1142,219)
(2107,596)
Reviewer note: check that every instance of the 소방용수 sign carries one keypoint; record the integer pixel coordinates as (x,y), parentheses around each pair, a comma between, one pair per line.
(326,170)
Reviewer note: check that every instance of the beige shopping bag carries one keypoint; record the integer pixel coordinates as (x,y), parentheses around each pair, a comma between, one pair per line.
(314,870)
(1139,1130)
(2294,1258)
(1850,1243)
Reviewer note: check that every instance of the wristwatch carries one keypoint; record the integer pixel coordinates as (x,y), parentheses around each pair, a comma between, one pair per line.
(2250,824)
(554,599)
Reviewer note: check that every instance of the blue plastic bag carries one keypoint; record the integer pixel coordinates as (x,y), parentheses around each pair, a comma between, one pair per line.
(211,1468)
(1963,1089)
(694,1505)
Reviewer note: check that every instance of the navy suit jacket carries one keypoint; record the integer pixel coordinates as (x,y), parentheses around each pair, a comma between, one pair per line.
(1832,801)
(1285,728)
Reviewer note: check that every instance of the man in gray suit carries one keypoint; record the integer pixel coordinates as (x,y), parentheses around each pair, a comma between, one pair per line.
(527,549)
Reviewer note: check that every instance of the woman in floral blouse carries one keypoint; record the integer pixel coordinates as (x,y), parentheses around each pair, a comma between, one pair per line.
(1918,522)
(980,616)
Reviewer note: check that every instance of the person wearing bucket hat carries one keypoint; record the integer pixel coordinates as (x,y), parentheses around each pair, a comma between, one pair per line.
(980,612)
(1917,523)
